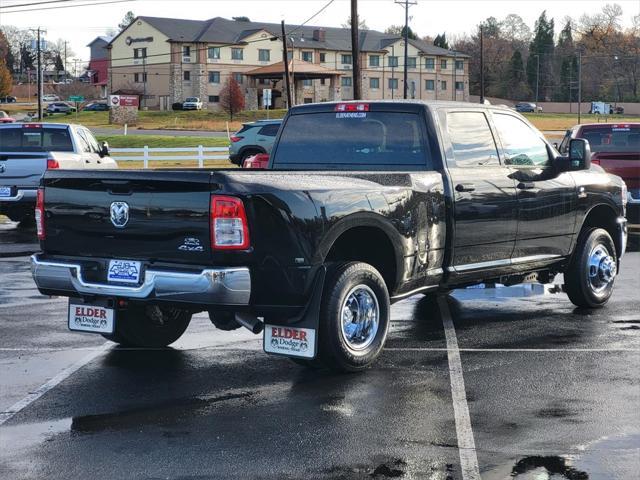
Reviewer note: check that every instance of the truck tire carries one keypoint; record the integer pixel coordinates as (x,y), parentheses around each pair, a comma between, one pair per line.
(591,273)
(225,321)
(354,318)
(149,326)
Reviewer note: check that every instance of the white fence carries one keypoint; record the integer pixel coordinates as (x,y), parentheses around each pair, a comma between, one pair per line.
(144,154)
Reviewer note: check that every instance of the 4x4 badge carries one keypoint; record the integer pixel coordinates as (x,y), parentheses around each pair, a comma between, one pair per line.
(119,214)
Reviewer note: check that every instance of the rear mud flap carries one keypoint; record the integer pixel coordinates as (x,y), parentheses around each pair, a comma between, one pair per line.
(297,336)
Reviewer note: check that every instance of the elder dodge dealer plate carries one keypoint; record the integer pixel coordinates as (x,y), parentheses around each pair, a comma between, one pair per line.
(90,318)
(293,342)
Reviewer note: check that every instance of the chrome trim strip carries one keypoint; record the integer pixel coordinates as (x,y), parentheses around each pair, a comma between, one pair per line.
(413,292)
(501,263)
(223,286)
(29,194)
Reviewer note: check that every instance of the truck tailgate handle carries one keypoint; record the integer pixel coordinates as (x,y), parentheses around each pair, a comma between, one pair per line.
(526,186)
(465,187)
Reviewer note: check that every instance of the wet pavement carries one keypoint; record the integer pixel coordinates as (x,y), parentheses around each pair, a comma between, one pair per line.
(17,239)
(552,393)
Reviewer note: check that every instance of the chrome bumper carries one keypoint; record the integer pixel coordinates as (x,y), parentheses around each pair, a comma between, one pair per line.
(622,235)
(22,195)
(216,286)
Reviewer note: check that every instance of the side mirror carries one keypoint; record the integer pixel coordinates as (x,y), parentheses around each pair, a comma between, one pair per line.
(104,149)
(579,154)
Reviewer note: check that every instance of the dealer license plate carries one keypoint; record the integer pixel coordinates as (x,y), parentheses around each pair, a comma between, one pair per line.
(290,341)
(5,192)
(90,318)
(126,271)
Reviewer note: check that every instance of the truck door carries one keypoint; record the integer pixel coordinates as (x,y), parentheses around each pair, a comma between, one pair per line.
(484,194)
(547,201)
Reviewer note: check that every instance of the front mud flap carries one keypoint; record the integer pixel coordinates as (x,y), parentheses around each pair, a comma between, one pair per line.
(297,336)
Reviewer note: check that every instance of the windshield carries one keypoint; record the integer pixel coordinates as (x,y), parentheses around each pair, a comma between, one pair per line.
(192,99)
(41,139)
(347,139)
(613,138)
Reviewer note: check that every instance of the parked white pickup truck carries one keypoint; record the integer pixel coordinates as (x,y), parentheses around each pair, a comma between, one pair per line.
(27,150)
(192,103)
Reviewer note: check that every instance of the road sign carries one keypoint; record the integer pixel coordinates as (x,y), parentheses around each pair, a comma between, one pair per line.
(76,98)
(266,97)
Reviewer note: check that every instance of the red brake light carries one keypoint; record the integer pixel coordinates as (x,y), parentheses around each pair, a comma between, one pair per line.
(40,214)
(352,107)
(32,125)
(235,139)
(229,228)
(51,163)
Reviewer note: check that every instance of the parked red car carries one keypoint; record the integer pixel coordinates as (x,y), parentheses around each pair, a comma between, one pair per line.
(4,118)
(616,148)
(261,160)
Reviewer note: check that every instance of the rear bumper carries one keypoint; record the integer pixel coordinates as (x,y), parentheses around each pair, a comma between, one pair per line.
(23,195)
(216,286)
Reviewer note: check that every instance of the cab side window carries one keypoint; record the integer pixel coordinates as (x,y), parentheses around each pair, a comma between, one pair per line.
(564,146)
(522,145)
(471,139)
(91,140)
(84,143)
(269,130)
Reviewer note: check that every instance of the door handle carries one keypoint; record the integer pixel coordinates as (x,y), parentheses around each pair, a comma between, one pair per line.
(526,186)
(465,187)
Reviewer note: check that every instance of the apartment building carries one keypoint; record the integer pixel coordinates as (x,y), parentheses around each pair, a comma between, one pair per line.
(166,60)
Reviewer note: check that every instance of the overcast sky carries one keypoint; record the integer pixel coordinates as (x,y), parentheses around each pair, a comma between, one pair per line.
(80,25)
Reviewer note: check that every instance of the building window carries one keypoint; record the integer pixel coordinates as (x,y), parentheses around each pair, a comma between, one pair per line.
(443,64)
(429,85)
(237,54)
(323,57)
(459,86)
(238,77)
(308,100)
(374,82)
(459,64)
(393,83)
(186,51)
(140,77)
(307,82)
(411,62)
(307,56)
(214,77)
(429,63)
(374,60)
(393,61)
(264,55)
(322,81)
(214,98)
(263,81)
(186,76)
(443,85)
(139,53)
(345,81)
(346,59)
(214,53)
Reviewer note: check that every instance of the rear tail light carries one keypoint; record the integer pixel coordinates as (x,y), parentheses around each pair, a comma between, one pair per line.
(235,138)
(596,161)
(51,163)
(229,228)
(40,214)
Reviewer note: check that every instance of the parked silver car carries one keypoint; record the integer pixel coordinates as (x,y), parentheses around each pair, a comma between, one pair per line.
(253,138)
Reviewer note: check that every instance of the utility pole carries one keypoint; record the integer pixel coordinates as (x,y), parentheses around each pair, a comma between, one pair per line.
(537,75)
(579,83)
(406,4)
(285,61)
(144,81)
(39,80)
(481,65)
(355,51)
(65,61)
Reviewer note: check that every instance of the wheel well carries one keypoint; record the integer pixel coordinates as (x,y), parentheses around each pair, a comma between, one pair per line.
(370,245)
(605,217)
(251,150)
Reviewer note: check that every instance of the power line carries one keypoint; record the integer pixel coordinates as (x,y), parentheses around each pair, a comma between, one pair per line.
(33,4)
(57,7)
(311,17)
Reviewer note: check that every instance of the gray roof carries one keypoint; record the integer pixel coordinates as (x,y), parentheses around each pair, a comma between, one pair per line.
(222,30)
(102,38)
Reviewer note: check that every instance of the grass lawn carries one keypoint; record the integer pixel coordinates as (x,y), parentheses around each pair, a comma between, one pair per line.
(564,121)
(160,141)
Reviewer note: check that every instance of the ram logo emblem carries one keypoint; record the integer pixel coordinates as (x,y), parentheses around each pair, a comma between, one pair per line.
(119,214)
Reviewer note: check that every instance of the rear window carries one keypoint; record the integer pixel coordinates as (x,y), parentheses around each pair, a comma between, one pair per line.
(612,138)
(35,140)
(338,140)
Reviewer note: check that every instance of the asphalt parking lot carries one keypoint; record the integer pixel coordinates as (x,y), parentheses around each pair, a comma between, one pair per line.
(508,382)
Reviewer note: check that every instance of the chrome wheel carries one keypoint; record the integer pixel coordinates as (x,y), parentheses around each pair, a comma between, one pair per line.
(601,269)
(360,317)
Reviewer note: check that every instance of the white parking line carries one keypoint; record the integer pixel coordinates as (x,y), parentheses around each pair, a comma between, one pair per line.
(429,349)
(59,378)
(466,444)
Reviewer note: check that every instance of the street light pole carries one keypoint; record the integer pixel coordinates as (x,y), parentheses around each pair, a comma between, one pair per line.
(537,75)
(406,4)
(579,83)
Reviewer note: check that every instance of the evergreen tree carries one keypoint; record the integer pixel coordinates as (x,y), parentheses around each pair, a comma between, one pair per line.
(541,50)
(441,41)
(568,63)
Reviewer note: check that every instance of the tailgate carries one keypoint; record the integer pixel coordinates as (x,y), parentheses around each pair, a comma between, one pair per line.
(22,169)
(625,165)
(144,215)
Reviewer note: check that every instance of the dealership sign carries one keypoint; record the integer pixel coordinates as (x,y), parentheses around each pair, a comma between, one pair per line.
(130,40)
(124,100)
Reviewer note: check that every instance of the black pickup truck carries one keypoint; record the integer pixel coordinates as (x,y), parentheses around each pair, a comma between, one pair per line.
(363,204)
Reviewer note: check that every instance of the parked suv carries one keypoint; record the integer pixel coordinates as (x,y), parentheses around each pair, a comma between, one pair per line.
(253,138)
(60,107)
(527,107)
